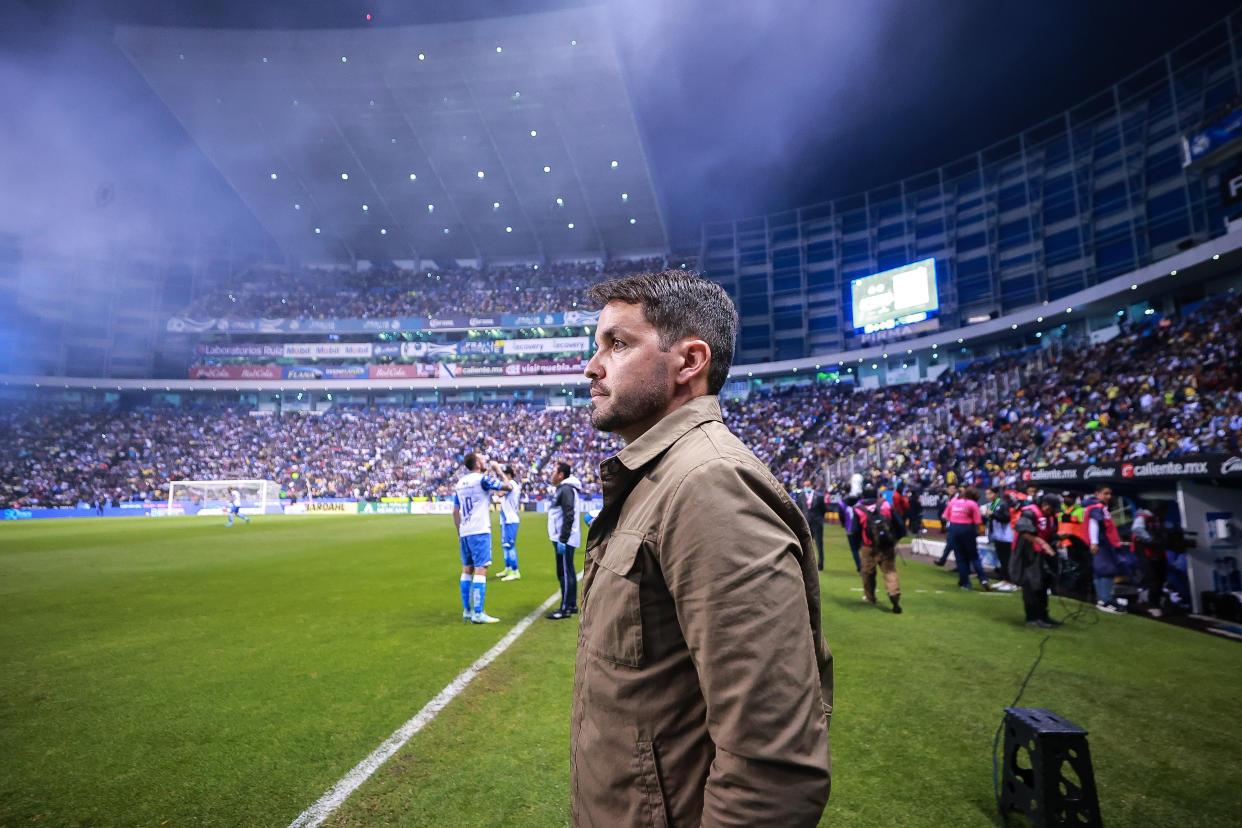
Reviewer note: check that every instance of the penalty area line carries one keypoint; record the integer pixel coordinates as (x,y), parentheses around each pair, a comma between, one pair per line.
(338,793)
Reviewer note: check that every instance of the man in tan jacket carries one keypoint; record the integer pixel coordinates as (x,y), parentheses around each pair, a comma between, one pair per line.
(703,684)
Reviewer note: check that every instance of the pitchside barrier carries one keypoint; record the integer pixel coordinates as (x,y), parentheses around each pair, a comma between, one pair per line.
(319,506)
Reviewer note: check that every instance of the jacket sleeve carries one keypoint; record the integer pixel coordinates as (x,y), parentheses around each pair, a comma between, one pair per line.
(751,619)
(565,499)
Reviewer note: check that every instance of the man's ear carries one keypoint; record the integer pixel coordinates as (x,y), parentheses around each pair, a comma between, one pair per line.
(695,355)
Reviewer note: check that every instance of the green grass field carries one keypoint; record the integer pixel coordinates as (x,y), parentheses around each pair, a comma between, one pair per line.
(174,672)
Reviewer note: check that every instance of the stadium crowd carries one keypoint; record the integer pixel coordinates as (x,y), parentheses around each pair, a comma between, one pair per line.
(390,291)
(1163,388)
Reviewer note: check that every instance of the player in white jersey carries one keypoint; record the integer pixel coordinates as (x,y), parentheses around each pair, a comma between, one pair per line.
(235,507)
(509,518)
(472,516)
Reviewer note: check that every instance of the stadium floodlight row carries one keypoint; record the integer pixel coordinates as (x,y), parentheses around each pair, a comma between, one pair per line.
(501,138)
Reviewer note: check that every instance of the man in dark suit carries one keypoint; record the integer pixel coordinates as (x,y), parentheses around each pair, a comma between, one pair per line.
(811,502)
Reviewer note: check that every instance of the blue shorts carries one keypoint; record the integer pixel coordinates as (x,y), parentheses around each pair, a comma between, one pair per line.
(508,534)
(476,550)
(235,510)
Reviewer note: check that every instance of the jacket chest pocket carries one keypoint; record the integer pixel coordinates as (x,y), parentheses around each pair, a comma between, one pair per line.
(611,621)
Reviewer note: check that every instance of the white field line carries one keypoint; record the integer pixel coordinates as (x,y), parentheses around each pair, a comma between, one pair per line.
(338,793)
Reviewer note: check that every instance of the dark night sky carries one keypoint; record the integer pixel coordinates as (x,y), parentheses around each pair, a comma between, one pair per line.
(745,107)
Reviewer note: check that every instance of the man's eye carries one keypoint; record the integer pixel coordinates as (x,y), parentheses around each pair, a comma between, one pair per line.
(618,344)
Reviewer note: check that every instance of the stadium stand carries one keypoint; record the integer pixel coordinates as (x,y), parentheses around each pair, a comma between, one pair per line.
(393,291)
(1165,388)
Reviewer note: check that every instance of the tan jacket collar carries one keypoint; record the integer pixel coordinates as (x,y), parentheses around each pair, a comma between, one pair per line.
(663,434)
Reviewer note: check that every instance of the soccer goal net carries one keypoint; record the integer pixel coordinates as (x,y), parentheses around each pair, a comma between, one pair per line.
(218,494)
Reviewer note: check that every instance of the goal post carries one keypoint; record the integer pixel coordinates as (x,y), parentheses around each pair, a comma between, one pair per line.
(255,494)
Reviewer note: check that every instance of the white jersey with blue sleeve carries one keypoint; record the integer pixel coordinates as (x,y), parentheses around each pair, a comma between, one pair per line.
(509,504)
(470,495)
(236,498)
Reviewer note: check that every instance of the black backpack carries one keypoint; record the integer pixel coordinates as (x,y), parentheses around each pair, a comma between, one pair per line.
(878,527)
(1001,513)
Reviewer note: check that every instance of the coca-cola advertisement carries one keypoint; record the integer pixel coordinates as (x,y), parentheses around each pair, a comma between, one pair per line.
(418,371)
(233,372)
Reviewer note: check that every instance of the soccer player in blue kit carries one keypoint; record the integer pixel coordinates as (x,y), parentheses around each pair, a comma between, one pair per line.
(472,516)
(509,518)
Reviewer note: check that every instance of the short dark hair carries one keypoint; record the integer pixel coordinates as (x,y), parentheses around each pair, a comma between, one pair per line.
(868,493)
(470,460)
(564,468)
(680,304)
(509,471)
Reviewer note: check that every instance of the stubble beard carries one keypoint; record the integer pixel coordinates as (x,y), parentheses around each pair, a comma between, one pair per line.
(643,404)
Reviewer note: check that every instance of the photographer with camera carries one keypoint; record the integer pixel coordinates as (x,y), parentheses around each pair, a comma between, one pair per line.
(879,547)
(1026,566)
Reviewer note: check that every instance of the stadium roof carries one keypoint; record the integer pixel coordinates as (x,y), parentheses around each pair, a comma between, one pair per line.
(506,138)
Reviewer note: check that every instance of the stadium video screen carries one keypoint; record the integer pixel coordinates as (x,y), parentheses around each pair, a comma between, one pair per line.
(900,296)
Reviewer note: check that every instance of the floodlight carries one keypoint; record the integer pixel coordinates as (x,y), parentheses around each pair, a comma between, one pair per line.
(633,221)
(479,174)
(344,176)
(273,176)
(614,165)
(508,229)
(547,169)
(413,177)
(533,133)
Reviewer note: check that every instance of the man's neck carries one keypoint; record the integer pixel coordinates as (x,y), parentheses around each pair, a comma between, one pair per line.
(680,398)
